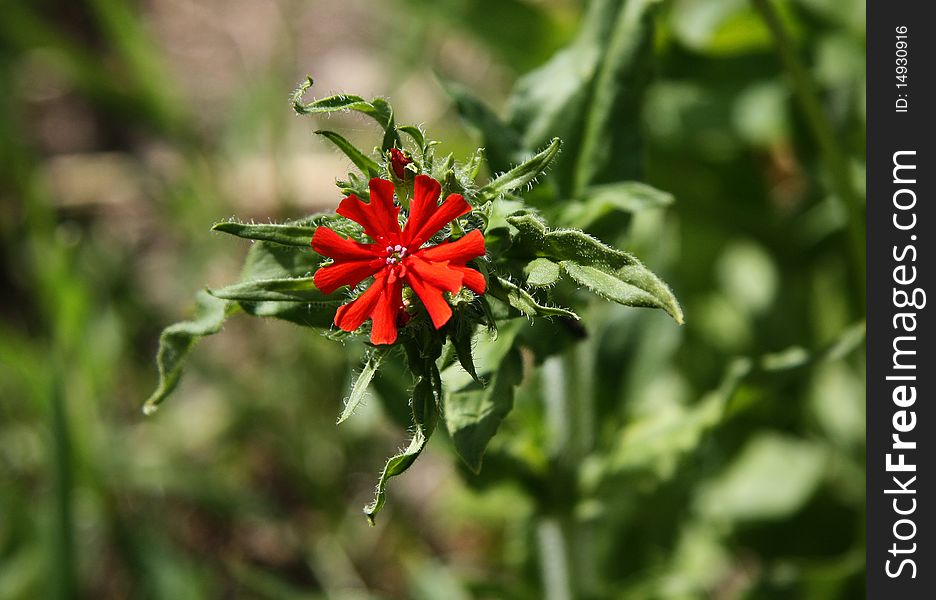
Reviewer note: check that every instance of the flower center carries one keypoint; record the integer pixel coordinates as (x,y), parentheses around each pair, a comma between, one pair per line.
(395,254)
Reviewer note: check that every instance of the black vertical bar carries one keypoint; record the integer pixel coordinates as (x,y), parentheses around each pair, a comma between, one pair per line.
(901,561)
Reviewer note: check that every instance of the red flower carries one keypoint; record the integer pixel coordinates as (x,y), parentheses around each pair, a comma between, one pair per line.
(398,257)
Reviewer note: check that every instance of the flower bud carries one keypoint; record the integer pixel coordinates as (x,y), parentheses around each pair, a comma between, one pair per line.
(398,162)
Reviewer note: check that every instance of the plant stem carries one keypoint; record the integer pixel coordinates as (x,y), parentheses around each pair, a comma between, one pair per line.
(554,559)
(835,159)
(552,534)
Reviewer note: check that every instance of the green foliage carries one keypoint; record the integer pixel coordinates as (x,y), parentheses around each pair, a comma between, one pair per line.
(627,454)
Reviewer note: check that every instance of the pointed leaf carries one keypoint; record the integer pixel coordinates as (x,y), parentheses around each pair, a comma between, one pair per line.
(416,133)
(633,285)
(461,333)
(553,100)
(378,109)
(611,139)
(522,175)
(611,273)
(517,297)
(424,404)
(177,340)
(359,389)
(285,233)
(367,165)
(474,412)
(298,289)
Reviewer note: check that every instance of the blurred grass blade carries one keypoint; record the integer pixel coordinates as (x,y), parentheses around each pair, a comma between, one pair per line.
(359,389)
(177,341)
(363,162)
(63,550)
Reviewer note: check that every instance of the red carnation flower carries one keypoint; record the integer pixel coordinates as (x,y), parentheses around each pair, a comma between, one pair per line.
(398,257)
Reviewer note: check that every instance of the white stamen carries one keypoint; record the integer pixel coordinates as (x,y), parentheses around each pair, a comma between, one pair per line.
(397,248)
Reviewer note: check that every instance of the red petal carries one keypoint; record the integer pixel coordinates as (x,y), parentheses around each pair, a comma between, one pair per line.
(381,202)
(328,243)
(436,274)
(454,206)
(425,202)
(472,279)
(350,316)
(379,217)
(459,251)
(330,278)
(439,310)
(385,313)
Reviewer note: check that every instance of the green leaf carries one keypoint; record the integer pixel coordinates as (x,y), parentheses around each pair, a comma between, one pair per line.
(424,404)
(363,162)
(633,285)
(274,261)
(542,272)
(416,133)
(517,297)
(473,412)
(773,477)
(286,233)
(553,100)
(502,145)
(658,441)
(177,340)
(611,143)
(298,289)
(359,389)
(461,331)
(608,272)
(319,315)
(378,109)
(601,200)
(522,175)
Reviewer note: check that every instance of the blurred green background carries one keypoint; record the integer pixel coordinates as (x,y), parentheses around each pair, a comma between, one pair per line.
(728,460)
